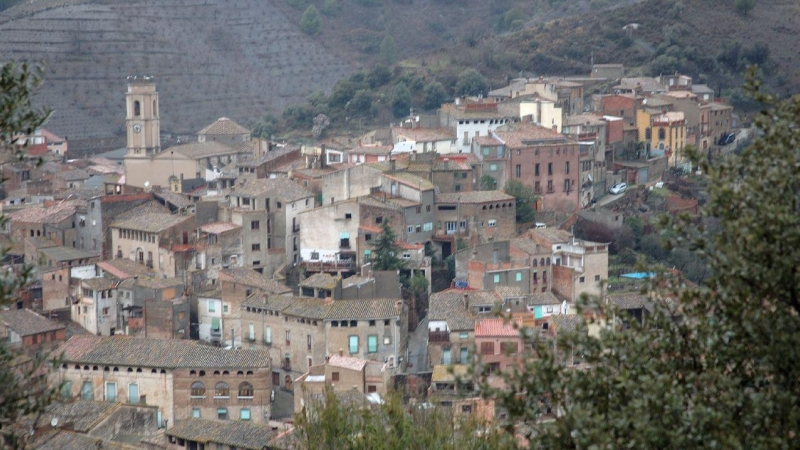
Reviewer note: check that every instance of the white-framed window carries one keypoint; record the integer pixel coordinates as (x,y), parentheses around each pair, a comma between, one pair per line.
(252,332)
(427,226)
(268,335)
(111,392)
(133,393)
(212,306)
(410,229)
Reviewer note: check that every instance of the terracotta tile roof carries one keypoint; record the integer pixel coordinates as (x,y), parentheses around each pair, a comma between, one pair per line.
(234,433)
(157,353)
(487,110)
(520,135)
(528,246)
(224,126)
(25,322)
(73,175)
(506,292)
(274,302)
(320,281)
(640,84)
(474,197)
(98,283)
(159,283)
(312,308)
(82,414)
(410,180)
(583,119)
(449,306)
(380,150)
(516,85)
(423,134)
(57,439)
(379,202)
(198,150)
(496,328)
(219,227)
(151,222)
(53,214)
(123,268)
(65,253)
(252,278)
(543,298)
(178,200)
(566,322)
(447,164)
(281,188)
(347,362)
(380,308)
(487,141)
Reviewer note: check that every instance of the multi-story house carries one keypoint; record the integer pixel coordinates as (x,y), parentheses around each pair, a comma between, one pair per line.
(95,308)
(421,140)
(470,119)
(662,133)
(491,152)
(545,160)
(498,343)
(477,216)
(579,267)
(517,263)
(29,332)
(368,154)
(219,246)
(590,131)
(268,210)
(94,231)
(342,374)
(181,378)
(153,239)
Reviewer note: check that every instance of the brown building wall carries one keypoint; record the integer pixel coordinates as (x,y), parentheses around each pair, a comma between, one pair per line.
(563,284)
(55,289)
(259,403)
(550,182)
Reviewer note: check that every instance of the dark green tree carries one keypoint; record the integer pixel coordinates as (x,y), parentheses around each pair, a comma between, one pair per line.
(433,95)
(265,127)
(745,6)
(488,183)
(378,76)
(471,82)
(388,51)
(311,21)
(713,365)
(361,102)
(385,251)
(330,7)
(22,388)
(526,199)
(401,100)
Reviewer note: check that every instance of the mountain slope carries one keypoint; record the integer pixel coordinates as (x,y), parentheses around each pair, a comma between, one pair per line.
(209,58)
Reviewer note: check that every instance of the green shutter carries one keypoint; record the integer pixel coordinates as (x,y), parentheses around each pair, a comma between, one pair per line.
(215,323)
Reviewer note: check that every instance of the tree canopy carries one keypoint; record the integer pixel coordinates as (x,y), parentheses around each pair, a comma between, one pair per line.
(526,199)
(311,21)
(385,251)
(471,82)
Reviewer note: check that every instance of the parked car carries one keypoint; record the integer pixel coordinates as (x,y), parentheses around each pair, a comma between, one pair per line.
(618,188)
(727,139)
(540,225)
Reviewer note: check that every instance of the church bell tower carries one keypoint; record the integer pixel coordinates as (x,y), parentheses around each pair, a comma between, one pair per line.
(142,120)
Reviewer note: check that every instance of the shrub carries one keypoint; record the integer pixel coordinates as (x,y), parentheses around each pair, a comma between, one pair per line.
(311,22)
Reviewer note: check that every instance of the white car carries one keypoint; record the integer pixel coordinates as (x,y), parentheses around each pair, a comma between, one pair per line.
(618,188)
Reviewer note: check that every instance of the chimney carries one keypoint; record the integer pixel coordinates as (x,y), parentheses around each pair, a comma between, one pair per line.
(341,352)
(466,301)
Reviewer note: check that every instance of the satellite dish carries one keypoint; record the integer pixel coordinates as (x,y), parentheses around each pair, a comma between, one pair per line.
(146,184)
(54,422)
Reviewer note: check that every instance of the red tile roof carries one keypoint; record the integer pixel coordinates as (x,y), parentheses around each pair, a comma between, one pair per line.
(497,327)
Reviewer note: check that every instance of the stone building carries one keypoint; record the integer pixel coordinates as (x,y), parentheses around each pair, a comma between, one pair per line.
(29,332)
(182,379)
(151,240)
(477,216)
(341,373)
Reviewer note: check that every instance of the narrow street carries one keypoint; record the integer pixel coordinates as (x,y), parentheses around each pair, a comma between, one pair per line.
(417,348)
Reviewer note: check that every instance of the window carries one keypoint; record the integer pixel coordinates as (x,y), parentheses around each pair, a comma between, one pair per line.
(410,229)
(353,344)
(518,276)
(212,306)
(427,226)
(255,247)
(348,216)
(314,256)
(597,278)
(245,390)
(288,337)
(496,278)
(492,223)
(87,391)
(582,279)
(196,413)
(566,186)
(661,134)
(215,325)
(66,389)
(133,393)
(487,348)
(486,151)
(566,167)
(536,169)
(458,188)
(492,167)
(550,168)
(387,340)
(221,390)
(268,335)
(244,414)
(372,343)
(344,240)
(251,332)
(379,220)
(257,263)
(446,356)
(518,171)
(198,389)
(255,225)
(335,376)
(111,392)
(225,305)
(222,413)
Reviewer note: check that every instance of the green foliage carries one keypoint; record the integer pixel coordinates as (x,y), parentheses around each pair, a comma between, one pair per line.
(388,51)
(297,4)
(744,6)
(471,82)
(265,127)
(385,251)
(361,102)
(330,422)
(298,116)
(23,387)
(511,20)
(330,7)
(725,374)
(433,95)
(418,284)
(488,183)
(526,198)
(311,22)
(378,76)
(342,93)
(401,100)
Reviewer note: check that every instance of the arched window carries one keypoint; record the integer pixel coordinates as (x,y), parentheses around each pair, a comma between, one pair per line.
(245,389)
(137,108)
(548,261)
(541,263)
(535,263)
(221,389)
(198,389)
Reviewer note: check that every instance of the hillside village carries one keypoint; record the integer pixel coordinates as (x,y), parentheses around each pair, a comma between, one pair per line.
(203,288)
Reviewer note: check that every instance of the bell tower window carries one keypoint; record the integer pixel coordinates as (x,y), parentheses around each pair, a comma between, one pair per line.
(137,108)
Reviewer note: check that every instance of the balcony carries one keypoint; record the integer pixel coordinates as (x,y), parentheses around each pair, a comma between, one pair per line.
(341,264)
(438,336)
(286,365)
(149,264)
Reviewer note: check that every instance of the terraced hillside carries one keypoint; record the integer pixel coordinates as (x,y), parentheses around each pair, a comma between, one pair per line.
(209,58)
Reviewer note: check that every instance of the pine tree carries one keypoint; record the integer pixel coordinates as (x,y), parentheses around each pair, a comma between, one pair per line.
(386,253)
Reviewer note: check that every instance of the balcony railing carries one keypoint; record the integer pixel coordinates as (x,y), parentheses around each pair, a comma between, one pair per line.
(438,336)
